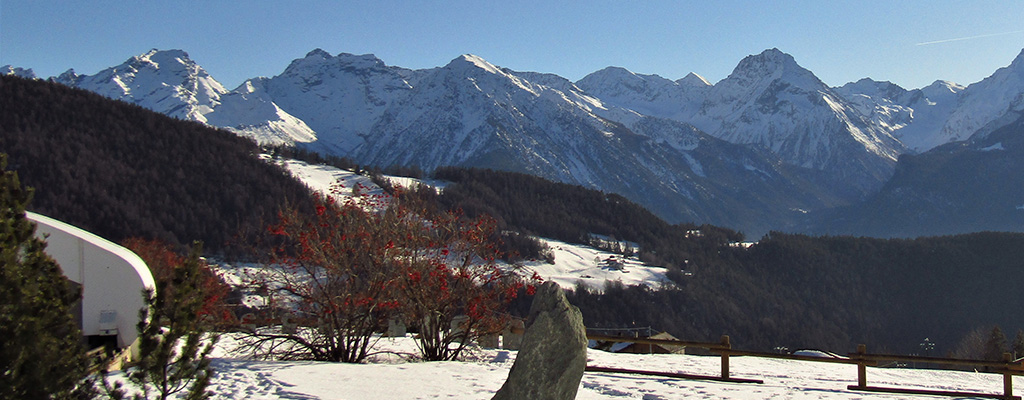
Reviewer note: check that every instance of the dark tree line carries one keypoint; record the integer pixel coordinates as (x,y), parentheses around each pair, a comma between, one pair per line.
(833,292)
(121,171)
(787,290)
(573,214)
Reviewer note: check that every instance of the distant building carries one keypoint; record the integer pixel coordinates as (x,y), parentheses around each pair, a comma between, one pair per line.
(112,279)
(641,348)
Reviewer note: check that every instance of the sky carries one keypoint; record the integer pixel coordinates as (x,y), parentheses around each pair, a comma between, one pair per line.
(908,42)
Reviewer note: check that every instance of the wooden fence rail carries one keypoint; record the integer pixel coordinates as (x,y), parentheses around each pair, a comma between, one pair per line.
(1007,368)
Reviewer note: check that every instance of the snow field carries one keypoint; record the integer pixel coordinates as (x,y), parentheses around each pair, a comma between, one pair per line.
(575,263)
(484,371)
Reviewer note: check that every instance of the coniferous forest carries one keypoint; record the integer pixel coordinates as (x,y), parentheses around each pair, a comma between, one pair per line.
(122,171)
(787,290)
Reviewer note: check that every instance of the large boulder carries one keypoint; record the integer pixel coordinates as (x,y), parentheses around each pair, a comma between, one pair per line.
(553,355)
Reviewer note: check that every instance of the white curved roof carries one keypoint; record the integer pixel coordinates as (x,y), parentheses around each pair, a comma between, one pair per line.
(112,277)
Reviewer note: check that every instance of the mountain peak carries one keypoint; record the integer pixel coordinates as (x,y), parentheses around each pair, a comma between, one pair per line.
(614,71)
(771,65)
(320,53)
(319,62)
(473,61)
(768,60)
(170,53)
(359,61)
(943,87)
(694,80)
(156,57)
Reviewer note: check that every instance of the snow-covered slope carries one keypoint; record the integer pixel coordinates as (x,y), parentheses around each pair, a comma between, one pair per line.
(340,97)
(984,102)
(250,112)
(932,105)
(488,117)
(915,117)
(169,82)
(879,101)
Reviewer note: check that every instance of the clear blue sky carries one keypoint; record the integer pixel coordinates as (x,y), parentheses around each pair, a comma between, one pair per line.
(907,42)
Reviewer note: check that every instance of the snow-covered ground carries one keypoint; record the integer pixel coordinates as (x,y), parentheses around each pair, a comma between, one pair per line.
(484,371)
(329,180)
(593,267)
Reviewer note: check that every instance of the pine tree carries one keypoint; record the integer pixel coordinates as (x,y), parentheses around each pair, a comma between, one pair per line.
(174,357)
(995,346)
(41,352)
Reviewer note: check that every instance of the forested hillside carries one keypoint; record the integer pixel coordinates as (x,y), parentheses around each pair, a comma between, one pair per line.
(574,214)
(120,171)
(786,290)
(966,186)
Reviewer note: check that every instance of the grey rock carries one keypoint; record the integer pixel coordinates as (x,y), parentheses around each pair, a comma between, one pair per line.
(553,356)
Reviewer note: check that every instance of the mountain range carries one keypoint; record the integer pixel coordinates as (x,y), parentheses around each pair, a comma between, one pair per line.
(765,148)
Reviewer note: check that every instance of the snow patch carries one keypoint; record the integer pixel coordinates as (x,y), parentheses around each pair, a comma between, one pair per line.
(694,165)
(997,146)
(593,267)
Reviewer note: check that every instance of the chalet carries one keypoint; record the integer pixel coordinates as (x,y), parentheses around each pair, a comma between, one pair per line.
(641,348)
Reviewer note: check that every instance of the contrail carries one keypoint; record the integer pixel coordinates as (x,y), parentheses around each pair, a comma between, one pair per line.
(968,38)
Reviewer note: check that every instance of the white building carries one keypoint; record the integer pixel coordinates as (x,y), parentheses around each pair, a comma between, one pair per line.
(112,278)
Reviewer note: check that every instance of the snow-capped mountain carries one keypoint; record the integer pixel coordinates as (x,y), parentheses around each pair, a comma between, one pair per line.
(772,101)
(169,82)
(881,102)
(942,112)
(915,117)
(17,71)
(649,95)
(340,97)
(473,113)
(778,141)
(769,101)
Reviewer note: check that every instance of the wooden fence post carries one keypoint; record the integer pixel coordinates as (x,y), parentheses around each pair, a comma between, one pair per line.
(1007,377)
(725,356)
(862,371)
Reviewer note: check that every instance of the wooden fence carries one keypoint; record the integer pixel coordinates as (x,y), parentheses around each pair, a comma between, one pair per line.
(1007,368)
